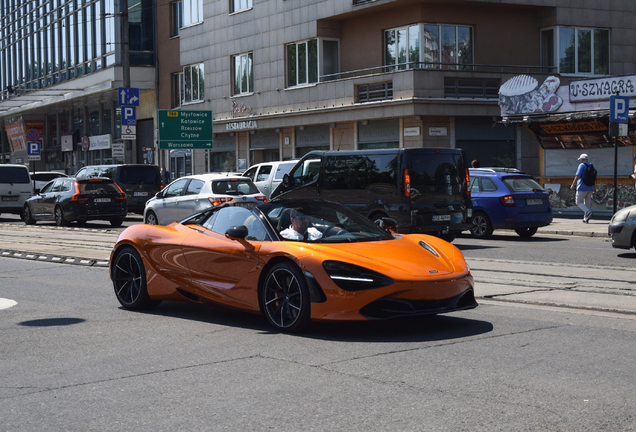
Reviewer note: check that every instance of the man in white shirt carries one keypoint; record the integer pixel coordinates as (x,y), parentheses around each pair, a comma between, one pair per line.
(300,229)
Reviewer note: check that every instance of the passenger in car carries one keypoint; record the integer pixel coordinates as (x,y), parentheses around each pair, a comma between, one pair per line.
(300,229)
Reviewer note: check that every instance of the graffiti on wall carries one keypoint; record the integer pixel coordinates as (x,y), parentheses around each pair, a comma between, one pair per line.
(562,197)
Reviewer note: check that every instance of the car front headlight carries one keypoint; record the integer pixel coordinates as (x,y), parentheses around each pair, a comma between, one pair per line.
(621,216)
(351,277)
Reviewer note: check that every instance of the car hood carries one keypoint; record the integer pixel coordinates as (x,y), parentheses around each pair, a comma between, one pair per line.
(403,255)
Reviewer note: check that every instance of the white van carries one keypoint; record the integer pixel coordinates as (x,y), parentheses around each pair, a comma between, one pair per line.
(15,188)
(267,175)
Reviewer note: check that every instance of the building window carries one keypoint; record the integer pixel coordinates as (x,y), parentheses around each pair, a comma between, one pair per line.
(176,9)
(240,5)
(243,73)
(572,50)
(429,45)
(177,89)
(192,12)
(311,61)
(193,88)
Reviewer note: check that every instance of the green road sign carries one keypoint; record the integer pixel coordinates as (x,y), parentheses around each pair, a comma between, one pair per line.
(181,129)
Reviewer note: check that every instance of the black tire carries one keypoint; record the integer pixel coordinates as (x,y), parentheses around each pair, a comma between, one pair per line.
(27,217)
(377,218)
(526,232)
(59,217)
(481,227)
(284,298)
(151,218)
(129,280)
(116,222)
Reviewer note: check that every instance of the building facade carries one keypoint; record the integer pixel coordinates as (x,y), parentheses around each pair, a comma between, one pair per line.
(61,65)
(285,77)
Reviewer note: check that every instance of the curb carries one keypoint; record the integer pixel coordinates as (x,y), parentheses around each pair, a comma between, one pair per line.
(53,258)
(576,233)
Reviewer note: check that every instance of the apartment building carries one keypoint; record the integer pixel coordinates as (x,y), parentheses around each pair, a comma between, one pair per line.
(61,64)
(283,77)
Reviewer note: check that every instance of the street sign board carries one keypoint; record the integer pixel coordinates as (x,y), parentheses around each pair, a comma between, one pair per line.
(185,129)
(128,96)
(129,132)
(33,148)
(619,109)
(119,150)
(128,115)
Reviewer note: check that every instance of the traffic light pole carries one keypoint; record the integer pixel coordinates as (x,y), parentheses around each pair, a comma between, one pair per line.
(125,60)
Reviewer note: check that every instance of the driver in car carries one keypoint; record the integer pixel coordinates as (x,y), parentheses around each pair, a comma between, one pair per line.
(299,228)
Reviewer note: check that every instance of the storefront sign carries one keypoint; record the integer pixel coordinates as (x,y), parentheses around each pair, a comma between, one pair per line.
(602,88)
(16,134)
(437,131)
(119,150)
(101,142)
(67,142)
(381,131)
(241,125)
(312,136)
(559,128)
(265,140)
(412,131)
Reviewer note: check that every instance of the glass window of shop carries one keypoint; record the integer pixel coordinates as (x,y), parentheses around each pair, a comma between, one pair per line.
(223,156)
(93,121)
(107,118)
(311,138)
(267,142)
(492,146)
(380,134)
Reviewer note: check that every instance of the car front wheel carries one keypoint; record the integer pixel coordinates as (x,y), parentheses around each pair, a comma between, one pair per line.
(129,280)
(27,217)
(481,227)
(284,298)
(151,218)
(526,232)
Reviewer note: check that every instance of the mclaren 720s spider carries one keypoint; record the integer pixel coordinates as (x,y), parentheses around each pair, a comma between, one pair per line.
(294,261)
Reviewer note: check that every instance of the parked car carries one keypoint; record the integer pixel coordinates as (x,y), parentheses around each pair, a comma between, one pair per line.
(507,199)
(15,188)
(140,182)
(41,178)
(239,258)
(424,189)
(66,199)
(192,194)
(268,175)
(622,228)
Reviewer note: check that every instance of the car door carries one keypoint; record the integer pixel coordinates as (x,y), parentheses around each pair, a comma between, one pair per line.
(262,179)
(190,202)
(36,202)
(167,209)
(222,269)
(48,199)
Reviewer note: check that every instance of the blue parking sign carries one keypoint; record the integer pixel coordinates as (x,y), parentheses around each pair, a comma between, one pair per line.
(128,115)
(619,109)
(34,148)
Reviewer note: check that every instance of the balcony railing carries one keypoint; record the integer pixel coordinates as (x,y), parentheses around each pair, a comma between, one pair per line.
(441,67)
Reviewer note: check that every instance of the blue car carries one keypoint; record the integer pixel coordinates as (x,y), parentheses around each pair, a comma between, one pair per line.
(506,198)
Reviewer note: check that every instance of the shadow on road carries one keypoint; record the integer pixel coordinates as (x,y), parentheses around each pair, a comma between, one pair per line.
(412,329)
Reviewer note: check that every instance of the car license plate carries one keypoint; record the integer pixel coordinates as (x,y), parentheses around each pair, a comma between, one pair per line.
(248,206)
(441,218)
(534,201)
(9,198)
(140,194)
(100,200)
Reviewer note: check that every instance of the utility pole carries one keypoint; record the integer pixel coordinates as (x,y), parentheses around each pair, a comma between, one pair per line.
(125,60)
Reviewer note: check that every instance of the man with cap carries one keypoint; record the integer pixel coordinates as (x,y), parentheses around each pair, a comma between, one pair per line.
(583,191)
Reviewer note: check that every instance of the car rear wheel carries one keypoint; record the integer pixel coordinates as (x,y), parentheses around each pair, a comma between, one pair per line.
(481,227)
(284,298)
(59,217)
(151,218)
(116,222)
(27,217)
(129,280)
(526,232)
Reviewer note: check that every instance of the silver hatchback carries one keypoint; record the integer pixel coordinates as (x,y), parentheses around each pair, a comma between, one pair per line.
(192,194)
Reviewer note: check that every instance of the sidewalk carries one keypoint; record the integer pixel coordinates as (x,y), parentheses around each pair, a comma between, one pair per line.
(574,226)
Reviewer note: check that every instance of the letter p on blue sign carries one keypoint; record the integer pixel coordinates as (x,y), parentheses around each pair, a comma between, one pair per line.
(619,109)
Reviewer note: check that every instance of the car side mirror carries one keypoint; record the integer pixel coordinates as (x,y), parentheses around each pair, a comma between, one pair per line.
(388,224)
(36,191)
(286,180)
(159,194)
(236,232)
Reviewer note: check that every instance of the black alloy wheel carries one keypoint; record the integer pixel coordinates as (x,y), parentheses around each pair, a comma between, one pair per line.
(59,217)
(129,280)
(27,217)
(526,232)
(116,222)
(284,298)
(481,227)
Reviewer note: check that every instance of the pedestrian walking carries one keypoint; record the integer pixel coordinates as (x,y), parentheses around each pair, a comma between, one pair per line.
(582,187)
(633,176)
(475,164)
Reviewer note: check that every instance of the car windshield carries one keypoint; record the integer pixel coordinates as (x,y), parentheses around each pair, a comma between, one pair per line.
(14,175)
(140,175)
(234,187)
(97,187)
(522,184)
(324,222)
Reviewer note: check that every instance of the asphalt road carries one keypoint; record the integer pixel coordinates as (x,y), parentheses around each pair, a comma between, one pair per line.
(73,359)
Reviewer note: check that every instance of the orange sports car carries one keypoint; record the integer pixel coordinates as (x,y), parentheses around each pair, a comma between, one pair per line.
(294,261)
